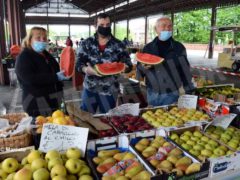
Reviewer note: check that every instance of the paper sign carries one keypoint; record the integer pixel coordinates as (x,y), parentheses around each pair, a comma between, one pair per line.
(61,138)
(129,108)
(222,121)
(187,101)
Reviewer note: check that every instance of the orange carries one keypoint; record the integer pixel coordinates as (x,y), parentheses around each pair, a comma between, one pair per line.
(57,114)
(40,120)
(49,119)
(39,130)
(60,121)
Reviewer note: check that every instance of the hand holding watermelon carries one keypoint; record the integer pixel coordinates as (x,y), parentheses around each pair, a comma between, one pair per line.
(90,71)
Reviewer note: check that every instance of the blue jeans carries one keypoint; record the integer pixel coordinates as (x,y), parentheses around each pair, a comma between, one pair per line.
(91,101)
(157,99)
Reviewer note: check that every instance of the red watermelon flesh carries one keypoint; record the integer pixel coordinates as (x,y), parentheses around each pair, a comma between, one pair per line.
(67,61)
(146,58)
(110,68)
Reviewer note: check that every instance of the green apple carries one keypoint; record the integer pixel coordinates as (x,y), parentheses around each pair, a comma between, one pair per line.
(71,177)
(197,134)
(232,145)
(84,170)
(10,165)
(53,162)
(202,143)
(229,152)
(174,136)
(201,158)
(217,132)
(230,129)
(212,142)
(23,174)
(205,139)
(195,152)
(189,133)
(28,166)
(41,174)
(219,128)
(3,174)
(206,152)
(59,178)
(234,141)
(230,133)
(210,128)
(198,147)
(236,137)
(86,177)
(58,170)
(11,176)
(195,138)
(223,148)
(219,152)
(52,154)
(38,163)
(186,146)
(179,141)
(214,156)
(34,154)
(24,161)
(226,136)
(209,147)
(190,142)
(73,166)
(224,140)
(184,137)
(215,136)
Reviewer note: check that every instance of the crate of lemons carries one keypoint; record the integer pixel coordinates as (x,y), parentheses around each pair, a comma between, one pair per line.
(57,117)
(52,165)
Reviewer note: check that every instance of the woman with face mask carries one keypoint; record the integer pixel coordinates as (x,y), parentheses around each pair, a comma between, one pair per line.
(39,75)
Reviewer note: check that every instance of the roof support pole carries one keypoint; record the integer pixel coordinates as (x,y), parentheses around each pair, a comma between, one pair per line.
(172,12)
(212,32)
(2,39)
(114,20)
(146,30)
(69,30)
(127,20)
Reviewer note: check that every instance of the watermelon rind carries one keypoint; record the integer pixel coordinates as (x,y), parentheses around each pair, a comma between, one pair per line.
(104,73)
(141,60)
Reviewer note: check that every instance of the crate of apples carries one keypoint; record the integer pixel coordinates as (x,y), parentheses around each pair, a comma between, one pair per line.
(108,132)
(163,156)
(129,123)
(57,117)
(52,165)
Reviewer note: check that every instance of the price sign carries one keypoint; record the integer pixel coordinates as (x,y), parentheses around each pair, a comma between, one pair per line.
(129,108)
(187,101)
(61,138)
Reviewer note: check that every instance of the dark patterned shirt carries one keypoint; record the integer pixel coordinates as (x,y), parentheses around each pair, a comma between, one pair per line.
(89,53)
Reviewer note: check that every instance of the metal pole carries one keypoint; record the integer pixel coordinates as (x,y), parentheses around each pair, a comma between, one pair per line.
(212,32)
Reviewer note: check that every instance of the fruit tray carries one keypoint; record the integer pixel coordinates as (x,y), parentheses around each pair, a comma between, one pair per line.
(111,156)
(172,116)
(164,159)
(129,124)
(109,132)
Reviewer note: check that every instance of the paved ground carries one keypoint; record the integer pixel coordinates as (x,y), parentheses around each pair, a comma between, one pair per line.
(10,97)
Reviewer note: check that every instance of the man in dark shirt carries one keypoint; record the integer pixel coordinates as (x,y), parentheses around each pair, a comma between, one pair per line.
(164,80)
(100,91)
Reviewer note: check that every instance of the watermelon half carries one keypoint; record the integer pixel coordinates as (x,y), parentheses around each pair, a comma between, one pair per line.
(67,61)
(150,59)
(110,68)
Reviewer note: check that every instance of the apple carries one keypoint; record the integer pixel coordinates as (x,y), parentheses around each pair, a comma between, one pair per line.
(190,142)
(174,136)
(28,166)
(59,178)
(226,136)
(41,174)
(215,136)
(198,147)
(234,141)
(23,174)
(52,154)
(73,166)
(209,147)
(58,170)
(84,170)
(219,152)
(10,165)
(197,134)
(217,132)
(85,177)
(195,152)
(189,133)
(73,153)
(229,152)
(223,148)
(205,139)
(3,174)
(230,129)
(214,156)
(213,143)
(224,140)
(53,162)
(179,141)
(71,177)
(24,161)
(195,138)
(34,154)
(232,145)
(202,143)
(206,152)
(186,146)
(184,137)
(38,163)
(11,176)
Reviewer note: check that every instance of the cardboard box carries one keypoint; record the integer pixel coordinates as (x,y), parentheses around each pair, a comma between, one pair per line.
(116,142)
(151,134)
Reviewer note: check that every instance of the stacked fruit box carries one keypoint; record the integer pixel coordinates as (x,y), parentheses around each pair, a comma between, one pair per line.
(111,158)
(222,158)
(165,159)
(172,116)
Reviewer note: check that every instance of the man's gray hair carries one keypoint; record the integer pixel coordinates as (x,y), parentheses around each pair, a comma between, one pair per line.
(161,18)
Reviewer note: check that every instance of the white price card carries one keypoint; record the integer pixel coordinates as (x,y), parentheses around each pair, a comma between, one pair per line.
(61,138)
(187,101)
(223,120)
(129,108)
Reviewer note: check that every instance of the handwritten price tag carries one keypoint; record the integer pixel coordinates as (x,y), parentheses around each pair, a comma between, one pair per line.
(224,120)
(61,138)
(129,108)
(187,101)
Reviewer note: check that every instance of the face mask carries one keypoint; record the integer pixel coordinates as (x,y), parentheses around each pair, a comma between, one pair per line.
(39,46)
(105,31)
(165,35)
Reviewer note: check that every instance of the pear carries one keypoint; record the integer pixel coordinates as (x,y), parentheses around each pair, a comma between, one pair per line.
(140,147)
(143,175)
(144,141)
(179,172)
(183,163)
(129,155)
(173,159)
(194,167)
(119,156)
(154,162)
(108,153)
(165,164)
(175,152)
